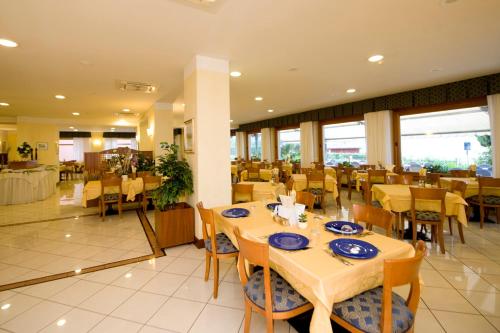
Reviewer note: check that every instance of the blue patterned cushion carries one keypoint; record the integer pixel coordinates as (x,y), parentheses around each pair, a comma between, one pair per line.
(111,196)
(224,244)
(285,298)
(316,191)
(376,203)
(364,312)
(425,215)
(487,199)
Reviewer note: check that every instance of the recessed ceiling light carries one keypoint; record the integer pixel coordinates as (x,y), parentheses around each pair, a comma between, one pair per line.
(61,322)
(4,104)
(351,91)
(5,306)
(376,58)
(60,96)
(126,110)
(231,121)
(258,98)
(75,113)
(72,127)
(7,43)
(235,74)
(112,128)
(67,235)
(75,130)
(270,110)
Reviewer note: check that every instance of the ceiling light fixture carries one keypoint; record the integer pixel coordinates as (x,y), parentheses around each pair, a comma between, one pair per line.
(235,74)
(376,58)
(75,113)
(4,104)
(71,127)
(351,91)
(258,98)
(270,110)
(231,121)
(67,235)
(126,110)
(60,96)
(7,43)
(75,130)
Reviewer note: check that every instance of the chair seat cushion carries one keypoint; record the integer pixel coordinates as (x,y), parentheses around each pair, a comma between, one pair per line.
(376,203)
(224,244)
(316,191)
(285,298)
(149,193)
(364,312)
(111,196)
(487,199)
(425,215)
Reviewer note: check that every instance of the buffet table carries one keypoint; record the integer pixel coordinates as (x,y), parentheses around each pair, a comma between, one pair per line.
(27,185)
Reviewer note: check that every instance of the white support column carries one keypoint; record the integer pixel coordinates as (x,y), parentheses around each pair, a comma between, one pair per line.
(378,129)
(206,95)
(494,111)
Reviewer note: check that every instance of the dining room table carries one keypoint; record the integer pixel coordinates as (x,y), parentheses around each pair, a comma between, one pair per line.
(472,186)
(263,191)
(22,186)
(300,184)
(361,176)
(318,275)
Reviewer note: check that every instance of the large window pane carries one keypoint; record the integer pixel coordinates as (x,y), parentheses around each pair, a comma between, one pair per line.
(66,150)
(447,140)
(289,144)
(233,152)
(255,145)
(344,142)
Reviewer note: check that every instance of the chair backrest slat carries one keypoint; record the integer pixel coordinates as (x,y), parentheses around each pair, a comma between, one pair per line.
(374,216)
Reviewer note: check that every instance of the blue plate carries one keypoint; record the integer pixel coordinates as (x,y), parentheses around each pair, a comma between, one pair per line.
(236,212)
(344,227)
(288,241)
(353,248)
(272,206)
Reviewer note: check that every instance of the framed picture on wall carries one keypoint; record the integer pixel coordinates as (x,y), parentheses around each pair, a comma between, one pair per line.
(189,136)
(42,145)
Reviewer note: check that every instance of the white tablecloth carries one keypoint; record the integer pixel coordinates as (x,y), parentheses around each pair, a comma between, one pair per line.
(24,186)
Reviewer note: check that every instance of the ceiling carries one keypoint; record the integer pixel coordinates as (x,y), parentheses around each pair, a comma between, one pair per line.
(80,48)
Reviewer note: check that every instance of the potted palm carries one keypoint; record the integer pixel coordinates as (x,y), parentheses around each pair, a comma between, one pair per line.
(174,220)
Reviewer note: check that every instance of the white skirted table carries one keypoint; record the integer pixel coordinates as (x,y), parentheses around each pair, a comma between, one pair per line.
(27,185)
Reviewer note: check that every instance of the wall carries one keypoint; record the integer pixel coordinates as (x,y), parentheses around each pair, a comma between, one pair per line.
(33,133)
(96,142)
(12,143)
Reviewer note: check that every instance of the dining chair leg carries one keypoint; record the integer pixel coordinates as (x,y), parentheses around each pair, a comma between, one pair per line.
(440,237)
(269,324)
(103,216)
(450,225)
(481,217)
(248,316)
(498,214)
(120,209)
(461,232)
(349,190)
(414,232)
(208,258)
(216,277)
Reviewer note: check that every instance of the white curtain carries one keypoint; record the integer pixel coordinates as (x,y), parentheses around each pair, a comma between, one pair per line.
(241,146)
(494,111)
(268,144)
(309,145)
(378,129)
(110,143)
(80,146)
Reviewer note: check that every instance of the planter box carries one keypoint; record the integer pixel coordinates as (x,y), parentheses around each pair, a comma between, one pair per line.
(175,226)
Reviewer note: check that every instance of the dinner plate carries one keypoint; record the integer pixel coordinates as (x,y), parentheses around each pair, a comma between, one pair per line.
(344,227)
(236,212)
(288,241)
(353,248)
(272,205)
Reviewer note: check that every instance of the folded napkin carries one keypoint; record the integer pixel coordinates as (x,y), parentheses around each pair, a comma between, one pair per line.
(390,167)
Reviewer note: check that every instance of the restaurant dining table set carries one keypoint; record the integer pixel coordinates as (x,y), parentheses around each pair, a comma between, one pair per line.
(327,262)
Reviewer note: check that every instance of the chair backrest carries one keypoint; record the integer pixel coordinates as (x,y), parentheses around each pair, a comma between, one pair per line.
(306,198)
(374,216)
(434,179)
(486,184)
(460,173)
(256,254)
(107,175)
(111,182)
(316,177)
(208,225)
(394,179)
(398,272)
(306,170)
(319,166)
(410,177)
(422,193)
(367,166)
(289,185)
(458,187)
(377,176)
(397,169)
(144,173)
(147,181)
(242,189)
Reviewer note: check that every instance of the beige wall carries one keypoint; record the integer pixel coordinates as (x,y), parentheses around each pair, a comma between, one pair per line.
(12,144)
(33,133)
(96,142)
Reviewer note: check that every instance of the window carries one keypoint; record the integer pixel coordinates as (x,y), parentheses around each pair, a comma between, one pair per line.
(110,143)
(289,144)
(446,140)
(344,142)
(255,146)
(233,150)
(66,150)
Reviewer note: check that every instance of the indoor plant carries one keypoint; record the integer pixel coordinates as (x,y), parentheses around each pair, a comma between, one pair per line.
(174,220)
(25,150)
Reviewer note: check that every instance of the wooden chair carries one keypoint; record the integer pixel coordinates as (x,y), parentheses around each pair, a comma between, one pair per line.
(289,186)
(242,189)
(394,179)
(374,216)
(485,201)
(374,177)
(425,217)
(149,184)
(109,194)
(266,292)
(217,245)
(306,198)
(362,312)
(253,173)
(144,173)
(410,177)
(319,166)
(434,179)
(339,173)
(306,171)
(319,192)
(457,187)
(348,173)
(366,166)
(460,173)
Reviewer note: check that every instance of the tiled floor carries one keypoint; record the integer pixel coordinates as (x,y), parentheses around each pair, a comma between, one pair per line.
(460,293)
(33,250)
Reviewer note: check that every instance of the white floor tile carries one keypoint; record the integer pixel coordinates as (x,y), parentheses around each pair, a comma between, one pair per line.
(140,307)
(230,295)
(177,315)
(195,289)
(463,323)
(75,321)
(107,299)
(48,289)
(36,318)
(16,305)
(183,266)
(115,325)
(164,283)
(218,319)
(77,293)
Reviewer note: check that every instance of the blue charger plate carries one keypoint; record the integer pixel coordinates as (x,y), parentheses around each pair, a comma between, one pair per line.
(344,227)
(236,212)
(288,241)
(353,248)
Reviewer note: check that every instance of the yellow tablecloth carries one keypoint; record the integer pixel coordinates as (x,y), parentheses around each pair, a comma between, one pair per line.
(264,191)
(363,177)
(472,186)
(397,198)
(265,174)
(300,184)
(234,170)
(130,187)
(319,277)
(287,169)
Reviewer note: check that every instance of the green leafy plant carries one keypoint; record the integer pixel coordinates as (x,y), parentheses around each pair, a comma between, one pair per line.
(178,178)
(144,163)
(346,164)
(24,150)
(303,218)
(485,157)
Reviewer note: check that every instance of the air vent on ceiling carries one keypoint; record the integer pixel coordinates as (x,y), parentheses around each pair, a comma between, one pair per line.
(137,87)
(126,114)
